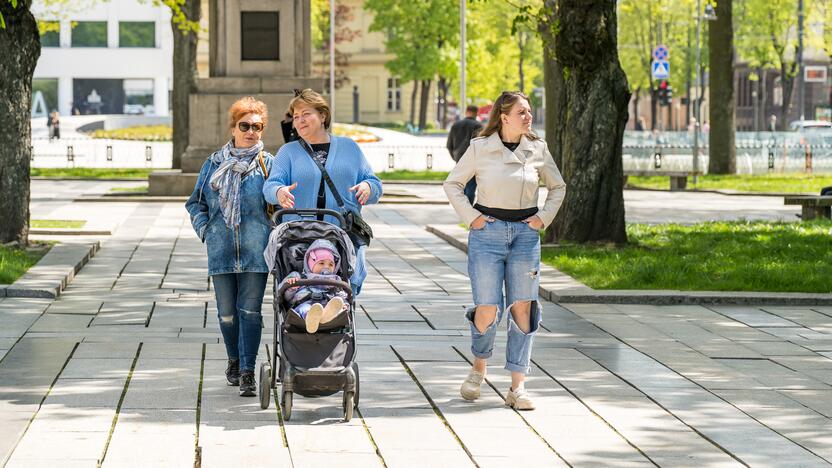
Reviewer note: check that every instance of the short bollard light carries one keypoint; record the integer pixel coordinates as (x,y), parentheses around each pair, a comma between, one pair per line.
(391,162)
(148,153)
(109,152)
(770,160)
(808,153)
(70,153)
(31,153)
(657,159)
(429,161)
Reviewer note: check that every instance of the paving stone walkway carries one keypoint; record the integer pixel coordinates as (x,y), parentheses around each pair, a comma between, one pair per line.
(126,369)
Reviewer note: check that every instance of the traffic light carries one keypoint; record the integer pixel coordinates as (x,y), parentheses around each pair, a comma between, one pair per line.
(665,93)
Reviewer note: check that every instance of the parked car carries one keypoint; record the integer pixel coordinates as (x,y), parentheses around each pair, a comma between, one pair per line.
(807,126)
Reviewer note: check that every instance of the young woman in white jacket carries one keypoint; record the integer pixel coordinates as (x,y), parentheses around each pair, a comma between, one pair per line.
(509,161)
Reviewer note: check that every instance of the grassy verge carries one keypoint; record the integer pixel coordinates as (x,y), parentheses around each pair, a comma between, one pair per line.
(437,176)
(57,223)
(14,262)
(138,132)
(129,190)
(714,256)
(91,173)
(786,183)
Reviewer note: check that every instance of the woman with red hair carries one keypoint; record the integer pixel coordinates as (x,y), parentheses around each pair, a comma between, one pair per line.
(228,213)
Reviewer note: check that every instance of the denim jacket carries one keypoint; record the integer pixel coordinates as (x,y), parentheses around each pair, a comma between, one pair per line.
(237,250)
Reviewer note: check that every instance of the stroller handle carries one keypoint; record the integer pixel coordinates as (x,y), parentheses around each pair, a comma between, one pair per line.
(318,282)
(278,215)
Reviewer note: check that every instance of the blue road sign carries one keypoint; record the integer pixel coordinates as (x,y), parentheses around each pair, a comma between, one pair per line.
(661,69)
(661,53)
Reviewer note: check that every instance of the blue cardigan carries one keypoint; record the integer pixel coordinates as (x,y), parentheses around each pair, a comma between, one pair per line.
(345,164)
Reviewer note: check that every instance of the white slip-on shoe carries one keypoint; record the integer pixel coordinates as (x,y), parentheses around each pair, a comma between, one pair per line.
(313,318)
(519,399)
(332,309)
(470,389)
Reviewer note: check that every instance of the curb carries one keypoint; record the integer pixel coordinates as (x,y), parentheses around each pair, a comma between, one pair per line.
(559,287)
(172,199)
(53,273)
(411,182)
(94,179)
(732,193)
(69,232)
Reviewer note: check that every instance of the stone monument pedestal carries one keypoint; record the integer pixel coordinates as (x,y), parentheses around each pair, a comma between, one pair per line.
(257,48)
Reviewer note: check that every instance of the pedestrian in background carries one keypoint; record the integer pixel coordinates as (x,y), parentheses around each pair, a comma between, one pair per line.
(459,138)
(54,122)
(509,161)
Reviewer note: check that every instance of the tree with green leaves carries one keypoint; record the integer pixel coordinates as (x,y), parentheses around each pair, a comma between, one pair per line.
(421,35)
(343,34)
(722,152)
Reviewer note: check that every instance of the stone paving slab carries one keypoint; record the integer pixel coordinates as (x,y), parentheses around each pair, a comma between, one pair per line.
(53,272)
(615,385)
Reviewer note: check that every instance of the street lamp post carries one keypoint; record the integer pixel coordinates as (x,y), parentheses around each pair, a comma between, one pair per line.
(461,104)
(332,56)
(709,15)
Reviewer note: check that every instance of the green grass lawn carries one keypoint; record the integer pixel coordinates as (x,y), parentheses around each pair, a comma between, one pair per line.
(438,176)
(91,173)
(130,190)
(787,183)
(57,223)
(715,256)
(138,132)
(14,262)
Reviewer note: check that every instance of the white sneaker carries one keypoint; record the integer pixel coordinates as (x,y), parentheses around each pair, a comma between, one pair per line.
(332,309)
(313,318)
(519,399)
(470,389)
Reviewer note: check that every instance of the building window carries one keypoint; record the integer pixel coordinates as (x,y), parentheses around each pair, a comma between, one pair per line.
(51,34)
(44,96)
(138,97)
(260,35)
(137,34)
(89,34)
(394,95)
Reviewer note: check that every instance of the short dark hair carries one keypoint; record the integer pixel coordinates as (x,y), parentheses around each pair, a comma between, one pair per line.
(472,108)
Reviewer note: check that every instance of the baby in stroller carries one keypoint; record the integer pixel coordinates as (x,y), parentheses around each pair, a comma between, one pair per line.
(317,305)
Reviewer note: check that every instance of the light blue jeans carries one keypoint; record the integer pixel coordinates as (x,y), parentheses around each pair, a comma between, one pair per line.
(239,304)
(505,255)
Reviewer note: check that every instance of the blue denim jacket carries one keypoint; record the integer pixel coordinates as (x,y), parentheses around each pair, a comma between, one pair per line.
(231,250)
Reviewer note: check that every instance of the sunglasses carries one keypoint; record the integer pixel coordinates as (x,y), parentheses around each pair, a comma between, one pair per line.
(245,126)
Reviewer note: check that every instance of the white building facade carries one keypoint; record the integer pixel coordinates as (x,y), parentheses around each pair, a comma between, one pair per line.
(114,57)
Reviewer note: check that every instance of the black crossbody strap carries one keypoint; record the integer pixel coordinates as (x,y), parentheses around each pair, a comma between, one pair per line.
(324,174)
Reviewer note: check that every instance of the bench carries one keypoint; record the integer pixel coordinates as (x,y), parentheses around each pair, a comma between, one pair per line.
(678,179)
(813,206)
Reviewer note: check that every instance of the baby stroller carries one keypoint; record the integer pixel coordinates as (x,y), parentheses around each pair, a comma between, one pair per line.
(310,364)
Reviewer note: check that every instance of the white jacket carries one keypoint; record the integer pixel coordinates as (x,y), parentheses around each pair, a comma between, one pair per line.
(505,179)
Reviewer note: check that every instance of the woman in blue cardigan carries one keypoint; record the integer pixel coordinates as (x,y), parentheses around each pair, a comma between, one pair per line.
(295,180)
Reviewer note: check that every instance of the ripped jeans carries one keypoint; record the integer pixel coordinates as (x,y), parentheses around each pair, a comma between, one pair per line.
(239,303)
(505,254)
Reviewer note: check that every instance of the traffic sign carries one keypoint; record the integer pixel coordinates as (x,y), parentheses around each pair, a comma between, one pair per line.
(661,53)
(661,69)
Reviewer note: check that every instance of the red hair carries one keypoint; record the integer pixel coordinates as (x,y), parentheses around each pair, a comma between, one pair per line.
(247,105)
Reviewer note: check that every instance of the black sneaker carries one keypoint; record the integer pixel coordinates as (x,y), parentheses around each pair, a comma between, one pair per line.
(232,372)
(247,384)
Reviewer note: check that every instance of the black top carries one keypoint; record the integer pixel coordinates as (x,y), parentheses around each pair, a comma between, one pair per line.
(320,152)
(511,146)
(502,214)
(460,135)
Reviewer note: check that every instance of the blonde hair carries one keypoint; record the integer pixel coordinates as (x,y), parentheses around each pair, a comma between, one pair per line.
(314,100)
(501,106)
(247,105)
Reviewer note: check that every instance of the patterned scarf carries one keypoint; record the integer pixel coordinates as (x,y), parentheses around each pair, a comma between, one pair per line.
(235,165)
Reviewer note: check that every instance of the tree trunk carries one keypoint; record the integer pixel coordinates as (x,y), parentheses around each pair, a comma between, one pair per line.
(521,46)
(787,79)
(413,103)
(19,52)
(424,93)
(635,107)
(722,150)
(184,80)
(555,99)
(654,104)
(592,121)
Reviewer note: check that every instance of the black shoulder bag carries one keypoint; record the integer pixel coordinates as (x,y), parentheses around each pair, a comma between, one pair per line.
(359,231)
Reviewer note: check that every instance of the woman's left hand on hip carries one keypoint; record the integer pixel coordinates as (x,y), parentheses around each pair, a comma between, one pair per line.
(534,222)
(362,192)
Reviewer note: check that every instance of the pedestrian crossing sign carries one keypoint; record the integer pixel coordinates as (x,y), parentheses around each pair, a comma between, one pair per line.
(661,69)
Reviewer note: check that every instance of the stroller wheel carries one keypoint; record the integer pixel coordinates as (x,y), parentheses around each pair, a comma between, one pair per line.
(265,385)
(357,382)
(286,405)
(349,405)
